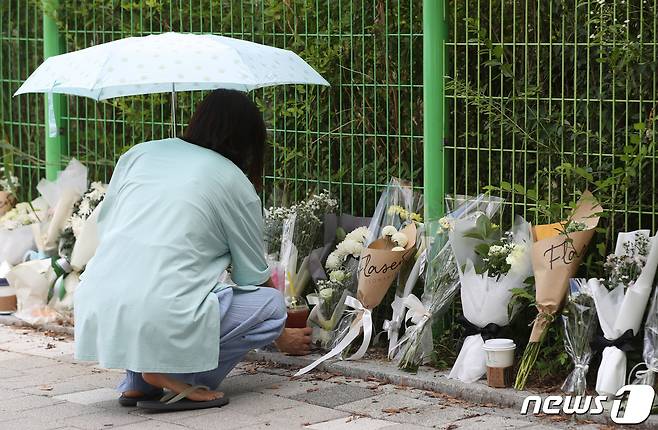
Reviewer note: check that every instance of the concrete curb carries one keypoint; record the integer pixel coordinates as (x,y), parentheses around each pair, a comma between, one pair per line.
(427,379)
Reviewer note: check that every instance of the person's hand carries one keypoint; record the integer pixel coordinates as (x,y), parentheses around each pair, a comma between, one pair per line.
(295,341)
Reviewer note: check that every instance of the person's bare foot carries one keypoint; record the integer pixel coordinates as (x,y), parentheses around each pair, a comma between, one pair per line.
(161,380)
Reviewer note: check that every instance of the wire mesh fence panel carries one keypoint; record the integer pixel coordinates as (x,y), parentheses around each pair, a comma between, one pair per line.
(349,138)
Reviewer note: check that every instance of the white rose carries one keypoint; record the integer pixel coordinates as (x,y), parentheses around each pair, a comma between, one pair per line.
(334,261)
(400,239)
(326,293)
(516,255)
(389,231)
(337,276)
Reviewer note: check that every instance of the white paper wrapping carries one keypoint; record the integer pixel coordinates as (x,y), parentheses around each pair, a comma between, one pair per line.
(485,301)
(619,311)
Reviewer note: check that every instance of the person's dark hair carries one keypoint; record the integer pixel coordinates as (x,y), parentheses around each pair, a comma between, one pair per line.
(229,123)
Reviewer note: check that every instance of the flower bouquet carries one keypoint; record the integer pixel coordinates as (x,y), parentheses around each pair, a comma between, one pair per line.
(379,264)
(329,300)
(398,206)
(620,300)
(557,251)
(16,237)
(579,323)
(441,276)
(61,196)
(501,264)
(77,245)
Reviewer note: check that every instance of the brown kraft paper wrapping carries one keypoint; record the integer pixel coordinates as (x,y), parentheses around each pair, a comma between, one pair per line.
(556,258)
(7,202)
(379,266)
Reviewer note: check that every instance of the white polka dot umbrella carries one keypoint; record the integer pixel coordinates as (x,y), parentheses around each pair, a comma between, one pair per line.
(168,62)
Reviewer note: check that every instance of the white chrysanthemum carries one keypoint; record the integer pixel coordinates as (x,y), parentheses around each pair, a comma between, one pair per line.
(398,248)
(400,239)
(85,208)
(359,234)
(337,276)
(350,247)
(334,261)
(389,231)
(76,224)
(326,293)
(495,249)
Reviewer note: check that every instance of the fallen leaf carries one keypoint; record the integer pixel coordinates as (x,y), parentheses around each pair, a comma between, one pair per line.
(46,387)
(452,427)
(392,411)
(50,346)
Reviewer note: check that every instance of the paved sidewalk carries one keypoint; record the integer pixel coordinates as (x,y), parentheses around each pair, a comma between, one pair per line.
(42,387)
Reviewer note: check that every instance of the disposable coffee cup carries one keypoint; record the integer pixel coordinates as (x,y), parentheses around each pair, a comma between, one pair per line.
(499,360)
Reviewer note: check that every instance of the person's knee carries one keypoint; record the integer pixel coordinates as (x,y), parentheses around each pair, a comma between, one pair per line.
(276,304)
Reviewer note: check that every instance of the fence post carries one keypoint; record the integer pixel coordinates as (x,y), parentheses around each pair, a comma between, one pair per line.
(53,45)
(433,107)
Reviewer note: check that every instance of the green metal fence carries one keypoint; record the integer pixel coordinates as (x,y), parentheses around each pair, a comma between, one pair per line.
(349,138)
(531,85)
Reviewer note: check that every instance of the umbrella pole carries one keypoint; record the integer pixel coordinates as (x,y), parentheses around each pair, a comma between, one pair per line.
(173,111)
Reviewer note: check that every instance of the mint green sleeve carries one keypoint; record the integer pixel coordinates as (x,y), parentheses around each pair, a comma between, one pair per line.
(244,233)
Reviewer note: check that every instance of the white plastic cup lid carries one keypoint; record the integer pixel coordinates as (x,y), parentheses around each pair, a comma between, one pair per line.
(499,344)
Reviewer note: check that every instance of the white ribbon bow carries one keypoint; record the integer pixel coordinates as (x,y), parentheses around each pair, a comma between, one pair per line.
(392,326)
(363,320)
(418,314)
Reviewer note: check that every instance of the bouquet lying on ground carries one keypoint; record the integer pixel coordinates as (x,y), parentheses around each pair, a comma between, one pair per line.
(501,263)
(621,299)
(398,206)
(441,279)
(557,251)
(339,281)
(379,264)
(579,323)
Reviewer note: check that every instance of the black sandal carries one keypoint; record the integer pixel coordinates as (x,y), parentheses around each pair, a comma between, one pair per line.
(132,401)
(180,402)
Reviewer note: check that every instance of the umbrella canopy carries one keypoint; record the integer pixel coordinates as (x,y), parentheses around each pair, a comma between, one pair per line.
(168,62)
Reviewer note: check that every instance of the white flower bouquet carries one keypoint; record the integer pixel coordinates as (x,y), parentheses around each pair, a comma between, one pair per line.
(579,323)
(441,278)
(620,305)
(329,300)
(500,264)
(16,236)
(379,264)
(398,206)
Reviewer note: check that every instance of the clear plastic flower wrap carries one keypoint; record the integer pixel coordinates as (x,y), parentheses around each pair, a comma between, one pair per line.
(398,206)
(441,279)
(579,323)
(649,375)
